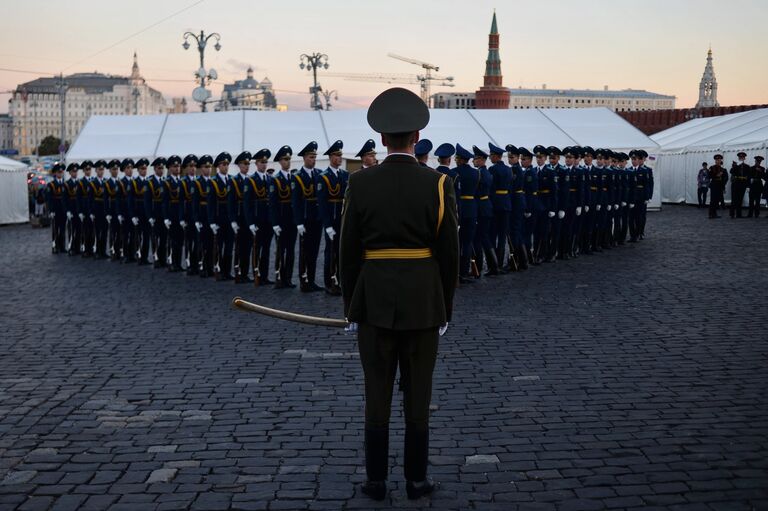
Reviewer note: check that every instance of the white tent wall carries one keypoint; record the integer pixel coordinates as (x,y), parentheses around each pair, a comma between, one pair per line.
(117,136)
(14,206)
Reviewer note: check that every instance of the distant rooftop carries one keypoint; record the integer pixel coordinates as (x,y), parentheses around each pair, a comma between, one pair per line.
(590,93)
(92,83)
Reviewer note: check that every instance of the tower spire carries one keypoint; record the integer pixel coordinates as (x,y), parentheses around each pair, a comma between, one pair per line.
(492,94)
(708,85)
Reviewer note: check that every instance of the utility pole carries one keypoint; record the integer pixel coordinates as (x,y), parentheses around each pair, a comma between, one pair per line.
(201,94)
(62,99)
(312,62)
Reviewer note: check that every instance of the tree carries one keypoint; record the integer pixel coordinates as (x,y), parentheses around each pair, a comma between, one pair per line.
(50,145)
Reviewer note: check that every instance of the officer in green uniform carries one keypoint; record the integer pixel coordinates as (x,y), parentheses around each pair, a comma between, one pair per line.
(399,269)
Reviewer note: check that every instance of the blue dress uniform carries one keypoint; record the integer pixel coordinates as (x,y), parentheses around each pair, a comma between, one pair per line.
(647,173)
(613,199)
(71,187)
(125,213)
(623,175)
(483,246)
(55,198)
(139,219)
(187,215)
(281,216)
(236,209)
(153,205)
(201,199)
(331,187)
(532,206)
(594,199)
(548,191)
(173,209)
(577,199)
(469,178)
(306,213)
(97,209)
(84,212)
(447,150)
(501,201)
(114,229)
(517,216)
(257,213)
(563,190)
(218,216)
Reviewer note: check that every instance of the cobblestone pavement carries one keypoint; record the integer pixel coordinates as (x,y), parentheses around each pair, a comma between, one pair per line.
(632,379)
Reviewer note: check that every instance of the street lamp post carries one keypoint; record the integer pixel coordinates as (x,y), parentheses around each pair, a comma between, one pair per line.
(328,95)
(201,94)
(312,63)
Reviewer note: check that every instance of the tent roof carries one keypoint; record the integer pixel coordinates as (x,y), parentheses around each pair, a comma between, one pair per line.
(740,129)
(123,136)
(9,165)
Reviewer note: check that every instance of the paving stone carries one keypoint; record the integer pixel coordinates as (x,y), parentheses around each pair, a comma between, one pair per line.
(18,477)
(162,475)
(478,459)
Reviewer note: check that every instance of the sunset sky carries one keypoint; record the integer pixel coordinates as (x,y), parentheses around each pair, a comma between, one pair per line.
(656,45)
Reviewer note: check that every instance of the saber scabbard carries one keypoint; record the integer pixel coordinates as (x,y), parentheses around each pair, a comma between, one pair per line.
(243,305)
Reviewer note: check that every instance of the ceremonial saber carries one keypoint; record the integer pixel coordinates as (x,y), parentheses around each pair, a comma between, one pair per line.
(243,305)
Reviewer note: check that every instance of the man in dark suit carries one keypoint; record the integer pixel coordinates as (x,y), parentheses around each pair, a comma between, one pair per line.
(399,268)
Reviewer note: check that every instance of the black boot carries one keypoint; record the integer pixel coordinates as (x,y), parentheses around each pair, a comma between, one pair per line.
(493,263)
(415,466)
(523,257)
(376,462)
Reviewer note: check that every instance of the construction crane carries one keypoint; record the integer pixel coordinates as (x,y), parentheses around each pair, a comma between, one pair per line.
(427,77)
(445,81)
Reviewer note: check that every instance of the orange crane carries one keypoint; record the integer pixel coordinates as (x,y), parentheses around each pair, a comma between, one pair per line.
(427,77)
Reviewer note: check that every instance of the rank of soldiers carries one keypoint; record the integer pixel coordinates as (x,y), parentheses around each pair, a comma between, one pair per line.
(196,217)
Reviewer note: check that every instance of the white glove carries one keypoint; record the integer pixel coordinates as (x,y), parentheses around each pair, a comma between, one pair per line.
(120,218)
(183,223)
(608,207)
(561,214)
(645,201)
(632,205)
(277,230)
(52,215)
(551,214)
(69,215)
(598,207)
(167,223)
(527,215)
(93,217)
(330,232)
(442,329)
(235,227)
(301,230)
(616,206)
(198,226)
(215,228)
(109,218)
(578,210)
(82,216)
(586,209)
(152,222)
(623,204)
(351,328)
(253,229)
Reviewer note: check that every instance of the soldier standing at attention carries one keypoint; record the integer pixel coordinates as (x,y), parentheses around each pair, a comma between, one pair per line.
(112,185)
(717,179)
(367,154)
(83,211)
(469,177)
(218,216)
(306,215)
(55,197)
(501,200)
(200,215)
(739,178)
(422,149)
(238,221)
(125,213)
(137,206)
(97,210)
(398,271)
(483,245)
(756,178)
(532,207)
(153,204)
(443,154)
(71,187)
(173,207)
(257,211)
(189,169)
(331,186)
(703,184)
(281,218)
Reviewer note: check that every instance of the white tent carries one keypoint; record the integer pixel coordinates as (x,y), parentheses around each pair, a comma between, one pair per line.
(106,137)
(14,207)
(683,148)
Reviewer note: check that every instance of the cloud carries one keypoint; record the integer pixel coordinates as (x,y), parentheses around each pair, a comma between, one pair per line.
(240,67)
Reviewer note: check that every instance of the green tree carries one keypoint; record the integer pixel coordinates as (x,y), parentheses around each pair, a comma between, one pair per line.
(49,145)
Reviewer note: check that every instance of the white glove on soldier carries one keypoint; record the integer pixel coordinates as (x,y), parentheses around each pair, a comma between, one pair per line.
(551,214)
(183,224)
(442,329)
(109,218)
(51,215)
(198,226)
(578,210)
(330,232)
(253,229)
(561,214)
(597,207)
(167,223)
(152,222)
(93,217)
(616,206)
(69,215)
(215,228)
(645,201)
(277,230)
(623,204)
(235,227)
(120,218)
(135,220)
(82,216)
(351,328)
(586,209)
(527,215)
(300,229)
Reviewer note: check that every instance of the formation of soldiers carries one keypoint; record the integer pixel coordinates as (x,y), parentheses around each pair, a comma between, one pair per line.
(197,218)
(746,182)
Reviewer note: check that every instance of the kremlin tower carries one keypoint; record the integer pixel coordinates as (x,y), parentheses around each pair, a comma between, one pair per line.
(492,94)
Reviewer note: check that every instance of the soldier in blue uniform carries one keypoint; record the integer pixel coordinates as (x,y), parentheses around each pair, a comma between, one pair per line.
(237,218)
(739,181)
(331,186)
(591,196)
(562,191)
(55,198)
(257,211)
(153,205)
(602,201)
(71,187)
(306,215)
(467,206)
(201,199)
(125,213)
(137,206)
(517,250)
(218,216)
(367,154)
(648,174)
(189,171)
(501,201)
(173,209)
(483,244)
(281,218)
(83,211)
(97,210)
(422,149)
(614,198)
(532,205)
(114,232)
(623,183)
(573,194)
(548,191)
(443,153)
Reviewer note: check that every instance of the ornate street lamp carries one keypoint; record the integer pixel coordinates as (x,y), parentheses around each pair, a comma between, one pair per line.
(312,63)
(201,94)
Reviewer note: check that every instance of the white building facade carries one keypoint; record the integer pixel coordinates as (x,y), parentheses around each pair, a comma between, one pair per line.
(35,106)
(247,94)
